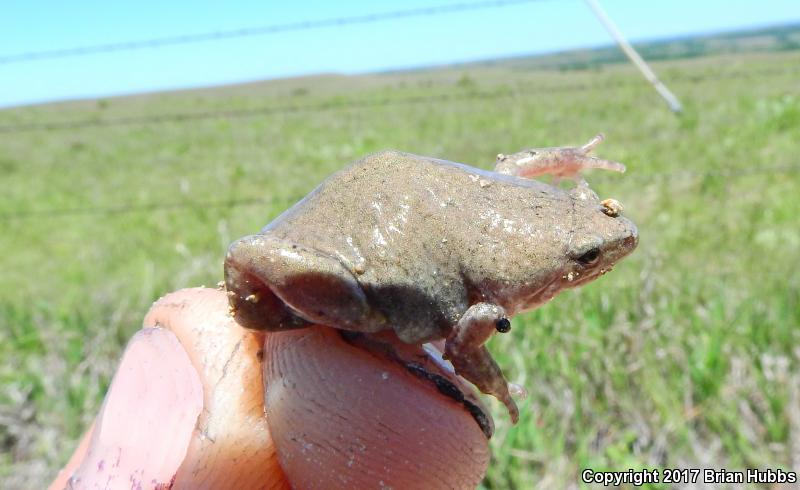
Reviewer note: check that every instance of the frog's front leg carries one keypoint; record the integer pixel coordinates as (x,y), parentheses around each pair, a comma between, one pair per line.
(275,284)
(564,162)
(471,360)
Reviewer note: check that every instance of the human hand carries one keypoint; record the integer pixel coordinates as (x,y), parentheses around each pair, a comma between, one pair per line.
(187,408)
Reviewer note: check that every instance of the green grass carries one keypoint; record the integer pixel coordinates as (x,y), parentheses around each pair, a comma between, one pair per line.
(683,356)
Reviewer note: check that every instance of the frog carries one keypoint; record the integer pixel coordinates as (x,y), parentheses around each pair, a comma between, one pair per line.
(429,250)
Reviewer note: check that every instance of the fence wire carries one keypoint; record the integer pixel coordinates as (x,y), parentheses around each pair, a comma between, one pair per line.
(375,103)
(257,31)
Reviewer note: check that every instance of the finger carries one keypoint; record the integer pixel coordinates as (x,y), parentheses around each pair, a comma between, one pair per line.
(74,462)
(142,432)
(231,446)
(342,417)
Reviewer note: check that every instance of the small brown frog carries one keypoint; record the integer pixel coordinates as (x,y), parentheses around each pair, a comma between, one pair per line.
(430,249)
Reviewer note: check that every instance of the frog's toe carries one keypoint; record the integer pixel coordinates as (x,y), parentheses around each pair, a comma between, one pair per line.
(511,406)
(479,368)
(594,162)
(592,144)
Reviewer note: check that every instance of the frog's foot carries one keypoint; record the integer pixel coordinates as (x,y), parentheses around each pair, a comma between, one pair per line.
(470,358)
(562,162)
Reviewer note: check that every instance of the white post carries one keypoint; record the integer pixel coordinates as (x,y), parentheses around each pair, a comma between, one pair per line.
(637,60)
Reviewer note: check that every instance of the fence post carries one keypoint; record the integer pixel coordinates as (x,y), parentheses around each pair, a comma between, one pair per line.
(632,55)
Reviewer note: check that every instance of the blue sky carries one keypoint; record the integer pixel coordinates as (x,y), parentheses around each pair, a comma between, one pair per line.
(545,26)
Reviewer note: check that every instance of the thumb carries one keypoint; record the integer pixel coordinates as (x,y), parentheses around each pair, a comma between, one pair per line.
(342,417)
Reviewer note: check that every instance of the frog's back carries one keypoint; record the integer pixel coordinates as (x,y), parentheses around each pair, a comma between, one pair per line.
(353,194)
(398,198)
(387,171)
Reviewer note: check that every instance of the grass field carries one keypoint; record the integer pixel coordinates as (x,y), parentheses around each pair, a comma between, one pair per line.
(687,355)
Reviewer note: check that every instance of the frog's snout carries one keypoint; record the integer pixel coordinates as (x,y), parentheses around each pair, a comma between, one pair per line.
(618,237)
(632,240)
(628,237)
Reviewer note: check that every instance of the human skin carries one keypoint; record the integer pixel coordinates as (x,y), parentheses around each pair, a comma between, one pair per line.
(193,388)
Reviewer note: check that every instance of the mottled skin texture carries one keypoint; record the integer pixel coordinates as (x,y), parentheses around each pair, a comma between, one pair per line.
(429,248)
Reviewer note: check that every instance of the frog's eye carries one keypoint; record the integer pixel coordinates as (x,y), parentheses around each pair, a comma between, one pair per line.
(503,325)
(590,258)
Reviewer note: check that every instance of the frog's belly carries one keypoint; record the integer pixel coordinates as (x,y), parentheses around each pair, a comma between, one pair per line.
(415,313)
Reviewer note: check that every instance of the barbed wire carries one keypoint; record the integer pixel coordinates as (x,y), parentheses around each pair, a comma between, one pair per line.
(245,113)
(258,31)
(134,208)
(199,206)
(372,103)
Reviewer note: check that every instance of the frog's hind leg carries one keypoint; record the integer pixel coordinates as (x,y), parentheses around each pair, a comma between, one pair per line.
(562,162)
(310,286)
(465,349)
(252,303)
